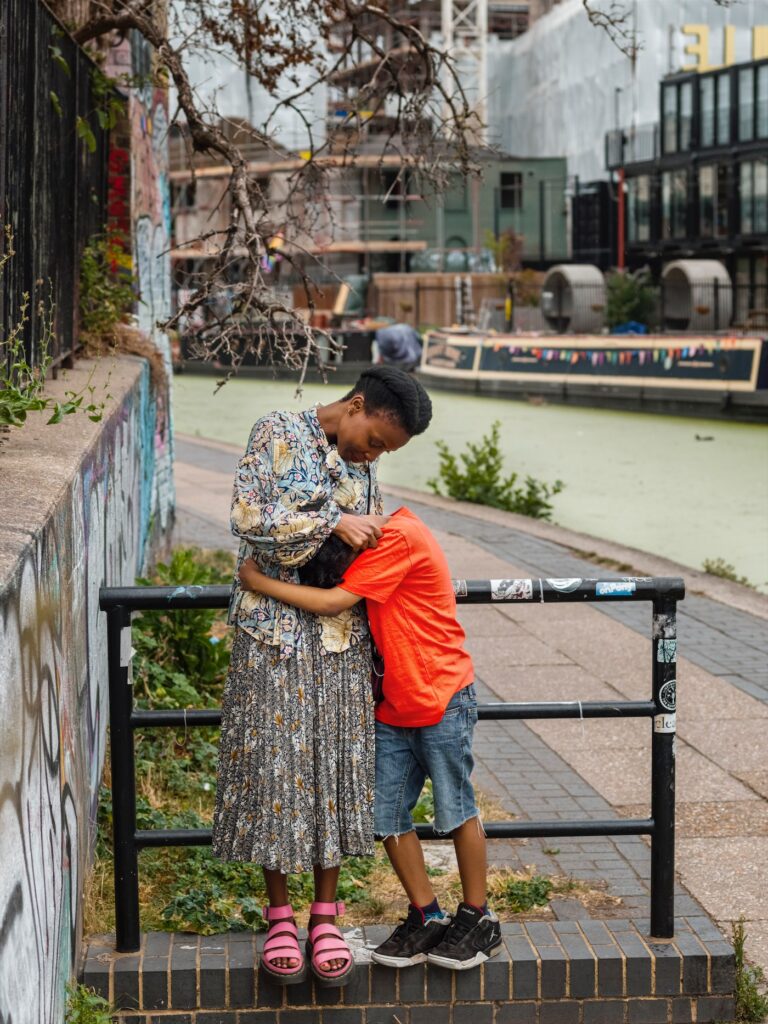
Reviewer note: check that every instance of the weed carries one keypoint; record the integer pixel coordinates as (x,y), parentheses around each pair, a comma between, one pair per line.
(424,811)
(726,571)
(85,1006)
(481,479)
(751,1004)
(521,894)
(21,383)
(106,286)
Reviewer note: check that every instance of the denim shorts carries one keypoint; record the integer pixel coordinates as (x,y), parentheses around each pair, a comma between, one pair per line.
(405,758)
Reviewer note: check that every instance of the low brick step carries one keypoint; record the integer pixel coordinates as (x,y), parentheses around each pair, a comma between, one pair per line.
(556,972)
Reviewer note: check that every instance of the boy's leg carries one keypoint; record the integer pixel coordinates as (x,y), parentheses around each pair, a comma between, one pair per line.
(399,781)
(470,845)
(407,858)
(446,750)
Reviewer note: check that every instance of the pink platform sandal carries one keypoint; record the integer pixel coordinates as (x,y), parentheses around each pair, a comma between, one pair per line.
(326,943)
(282,943)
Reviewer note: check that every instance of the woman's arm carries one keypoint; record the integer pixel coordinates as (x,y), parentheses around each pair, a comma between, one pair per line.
(286,534)
(311,599)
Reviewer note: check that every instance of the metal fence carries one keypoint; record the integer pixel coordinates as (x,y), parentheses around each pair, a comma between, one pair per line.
(662,593)
(52,188)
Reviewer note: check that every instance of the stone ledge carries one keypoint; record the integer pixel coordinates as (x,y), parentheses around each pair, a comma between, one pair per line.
(558,972)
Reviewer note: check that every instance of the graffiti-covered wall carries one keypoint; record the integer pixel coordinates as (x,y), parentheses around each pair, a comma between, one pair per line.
(139,209)
(74,506)
(81,505)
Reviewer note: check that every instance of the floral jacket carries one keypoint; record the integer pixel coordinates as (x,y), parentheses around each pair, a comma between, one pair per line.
(291,487)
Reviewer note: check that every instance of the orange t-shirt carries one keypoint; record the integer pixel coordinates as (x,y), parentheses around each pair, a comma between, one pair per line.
(412,611)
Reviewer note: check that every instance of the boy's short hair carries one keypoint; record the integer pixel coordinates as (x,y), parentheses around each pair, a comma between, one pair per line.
(326,568)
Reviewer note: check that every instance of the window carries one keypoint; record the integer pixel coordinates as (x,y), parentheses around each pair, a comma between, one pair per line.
(511,191)
(686,114)
(713,200)
(723,109)
(746,104)
(754,197)
(762,102)
(670,118)
(707,106)
(673,196)
(639,208)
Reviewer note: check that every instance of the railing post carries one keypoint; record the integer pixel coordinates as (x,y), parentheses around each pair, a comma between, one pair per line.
(123,781)
(664,648)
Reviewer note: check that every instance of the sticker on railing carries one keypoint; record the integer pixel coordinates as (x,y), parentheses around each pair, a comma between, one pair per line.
(668,695)
(665,723)
(565,586)
(618,588)
(459,588)
(126,651)
(511,590)
(666,651)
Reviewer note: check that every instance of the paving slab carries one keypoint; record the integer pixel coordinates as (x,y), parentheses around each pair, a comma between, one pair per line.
(563,652)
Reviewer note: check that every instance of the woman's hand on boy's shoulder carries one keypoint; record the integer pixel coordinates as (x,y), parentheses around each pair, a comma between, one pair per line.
(250,575)
(360,532)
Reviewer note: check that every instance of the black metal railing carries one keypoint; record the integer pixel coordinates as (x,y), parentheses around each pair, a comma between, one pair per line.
(662,593)
(53,173)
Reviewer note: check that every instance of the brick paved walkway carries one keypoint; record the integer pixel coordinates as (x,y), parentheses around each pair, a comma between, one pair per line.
(551,769)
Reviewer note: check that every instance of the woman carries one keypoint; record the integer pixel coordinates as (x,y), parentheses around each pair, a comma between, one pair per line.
(296,758)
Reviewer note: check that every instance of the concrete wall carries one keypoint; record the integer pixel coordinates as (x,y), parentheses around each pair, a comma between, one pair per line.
(81,505)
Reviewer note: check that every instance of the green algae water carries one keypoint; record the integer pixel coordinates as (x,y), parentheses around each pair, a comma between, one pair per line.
(634,478)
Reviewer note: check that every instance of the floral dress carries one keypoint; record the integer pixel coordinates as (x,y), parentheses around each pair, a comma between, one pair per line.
(296,758)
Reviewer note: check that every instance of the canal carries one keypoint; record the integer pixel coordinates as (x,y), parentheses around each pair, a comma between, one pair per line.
(685,489)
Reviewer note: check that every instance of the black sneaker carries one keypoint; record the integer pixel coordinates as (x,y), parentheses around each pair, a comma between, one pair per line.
(410,942)
(472,938)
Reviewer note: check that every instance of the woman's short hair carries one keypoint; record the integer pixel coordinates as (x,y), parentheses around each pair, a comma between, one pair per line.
(393,392)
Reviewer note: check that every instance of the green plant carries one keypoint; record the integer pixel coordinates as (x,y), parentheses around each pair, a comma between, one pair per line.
(85,1006)
(22,384)
(628,297)
(726,571)
(507,248)
(106,287)
(481,479)
(424,811)
(525,893)
(179,661)
(751,1004)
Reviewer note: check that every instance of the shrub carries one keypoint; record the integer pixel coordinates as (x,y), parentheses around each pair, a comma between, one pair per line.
(479,479)
(629,297)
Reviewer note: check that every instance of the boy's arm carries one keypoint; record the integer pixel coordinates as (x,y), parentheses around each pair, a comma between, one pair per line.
(311,599)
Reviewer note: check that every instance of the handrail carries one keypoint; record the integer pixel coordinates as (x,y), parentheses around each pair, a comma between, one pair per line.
(662,592)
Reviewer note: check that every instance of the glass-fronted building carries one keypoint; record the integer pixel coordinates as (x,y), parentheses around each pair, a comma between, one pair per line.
(697,181)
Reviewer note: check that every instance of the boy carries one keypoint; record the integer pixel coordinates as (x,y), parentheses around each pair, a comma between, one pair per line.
(424,726)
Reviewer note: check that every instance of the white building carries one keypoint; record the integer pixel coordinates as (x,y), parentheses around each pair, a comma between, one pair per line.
(557,89)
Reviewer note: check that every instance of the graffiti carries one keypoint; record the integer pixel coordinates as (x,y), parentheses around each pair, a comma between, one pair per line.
(53,709)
